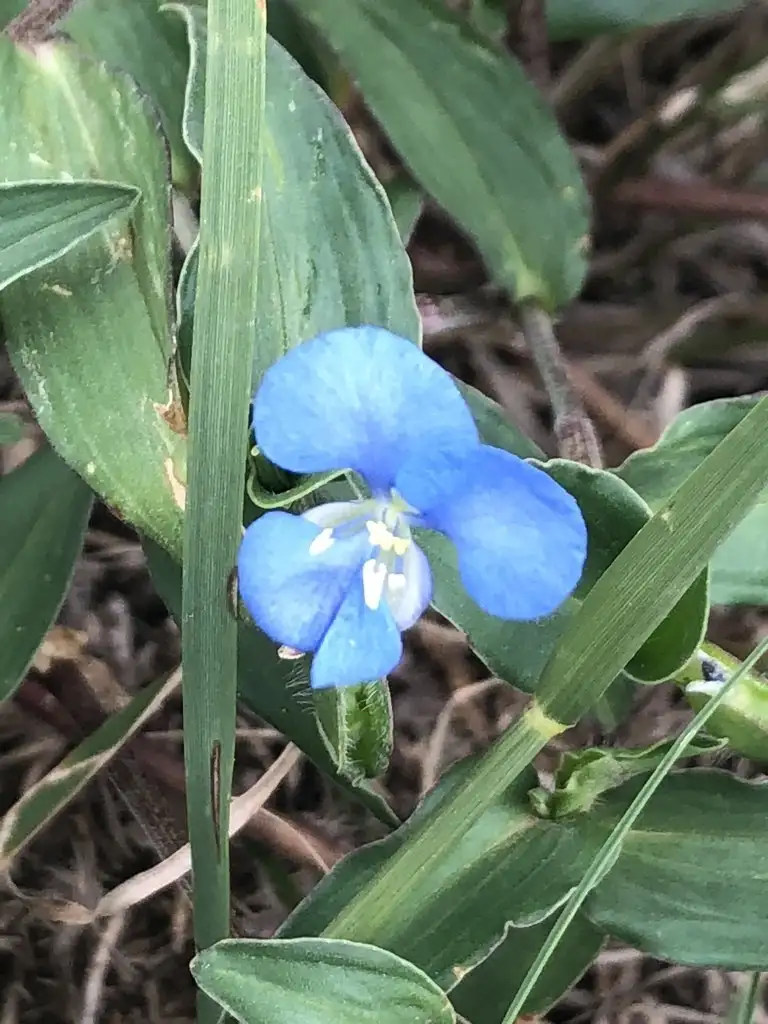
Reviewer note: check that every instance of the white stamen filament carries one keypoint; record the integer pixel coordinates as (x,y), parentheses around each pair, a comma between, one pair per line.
(374,577)
(322,542)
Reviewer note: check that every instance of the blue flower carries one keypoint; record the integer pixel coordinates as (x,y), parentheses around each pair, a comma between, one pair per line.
(346,578)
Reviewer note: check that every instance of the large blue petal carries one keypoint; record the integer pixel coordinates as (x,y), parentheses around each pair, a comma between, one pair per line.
(358,398)
(361,644)
(520,537)
(291,594)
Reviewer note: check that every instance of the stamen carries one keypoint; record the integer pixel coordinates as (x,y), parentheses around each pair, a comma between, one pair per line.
(374,577)
(322,542)
(379,535)
(400,545)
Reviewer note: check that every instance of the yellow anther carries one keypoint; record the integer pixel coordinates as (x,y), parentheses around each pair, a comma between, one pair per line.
(379,535)
(400,545)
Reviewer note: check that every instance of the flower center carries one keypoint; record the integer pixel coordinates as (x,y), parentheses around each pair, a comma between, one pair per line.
(389,537)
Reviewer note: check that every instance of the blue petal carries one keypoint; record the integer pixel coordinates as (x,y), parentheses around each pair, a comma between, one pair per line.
(360,645)
(409,604)
(289,593)
(520,537)
(358,398)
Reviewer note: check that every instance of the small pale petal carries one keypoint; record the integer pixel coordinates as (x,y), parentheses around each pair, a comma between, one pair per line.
(361,644)
(520,536)
(289,592)
(409,593)
(358,398)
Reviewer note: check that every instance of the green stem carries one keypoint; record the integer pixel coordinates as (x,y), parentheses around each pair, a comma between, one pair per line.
(611,847)
(574,430)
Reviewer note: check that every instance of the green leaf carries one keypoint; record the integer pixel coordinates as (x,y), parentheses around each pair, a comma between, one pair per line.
(483,995)
(329,254)
(581,20)
(89,335)
(739,572)
(691,883)
(623,608)
(317,981)
(510,181)
(584,775)
(228,289)
(510,866)
(149,44)
(494,425)
(44,509)
(40,221)
(38,804)
(518,651)
(11,427)
(407,202)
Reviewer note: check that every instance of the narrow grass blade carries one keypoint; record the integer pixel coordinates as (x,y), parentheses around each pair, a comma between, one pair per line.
(218,422)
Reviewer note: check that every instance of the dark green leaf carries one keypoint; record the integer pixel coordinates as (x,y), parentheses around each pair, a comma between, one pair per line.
(510,866)
(484,994)
(44,510)
(740,565)
(329,254)
(11,427)
(89,335)
(502,170)
(407,201)
(40,221)
(317,981)
(581,19)
(691,883)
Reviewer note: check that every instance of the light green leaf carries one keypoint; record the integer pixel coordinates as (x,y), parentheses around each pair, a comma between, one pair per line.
(40,221)
(691,883)
(739,571)
(349,267)
(483,995)
(149,44)
(510,866)
(89,335)
(510,180)
(742,718)
(44,509)
(317,981)
(39,804)
(581,20)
